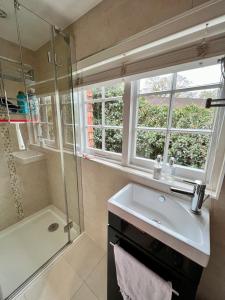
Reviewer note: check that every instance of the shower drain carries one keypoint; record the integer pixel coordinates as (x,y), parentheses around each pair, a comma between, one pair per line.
(53,227)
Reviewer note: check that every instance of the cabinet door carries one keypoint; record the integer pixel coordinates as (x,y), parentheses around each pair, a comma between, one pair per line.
(186,288)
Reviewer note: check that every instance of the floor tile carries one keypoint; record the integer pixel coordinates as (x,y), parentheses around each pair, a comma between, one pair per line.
(84,257)
(21,297)
(84,293)
(97,280)
(59,283)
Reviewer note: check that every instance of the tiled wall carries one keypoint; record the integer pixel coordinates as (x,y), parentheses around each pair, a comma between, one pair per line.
(33,184)
(56,183)
(111,22)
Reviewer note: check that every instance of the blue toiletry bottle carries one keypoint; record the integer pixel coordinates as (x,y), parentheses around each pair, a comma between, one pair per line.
(22,103)
(33,102)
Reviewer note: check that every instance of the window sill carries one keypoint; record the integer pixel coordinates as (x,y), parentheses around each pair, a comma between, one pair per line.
(145,177)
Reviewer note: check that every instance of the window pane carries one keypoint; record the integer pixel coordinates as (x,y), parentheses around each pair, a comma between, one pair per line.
(45,100)
(94,113)
(49,113)
(43,113)
(51,132)
(200,76)
(189,110)
(116,90)
(189,149)
(149,144)
(94,93)
(156,84)
(113,140)
(153,111)
(114,113)
(94,136)
(67,114)
(44,131)
(69,134)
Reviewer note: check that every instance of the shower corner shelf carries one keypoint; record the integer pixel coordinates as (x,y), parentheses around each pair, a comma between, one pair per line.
(25,157)
(17,118)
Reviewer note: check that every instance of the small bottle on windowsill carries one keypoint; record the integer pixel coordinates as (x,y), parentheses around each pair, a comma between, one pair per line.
(169,172)
(157,171)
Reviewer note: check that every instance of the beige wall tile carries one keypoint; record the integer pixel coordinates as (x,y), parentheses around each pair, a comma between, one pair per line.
(34,179)
(34,184)
(56,185)
(113,21)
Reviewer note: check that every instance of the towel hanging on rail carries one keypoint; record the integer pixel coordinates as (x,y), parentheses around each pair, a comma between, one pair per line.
(136,281)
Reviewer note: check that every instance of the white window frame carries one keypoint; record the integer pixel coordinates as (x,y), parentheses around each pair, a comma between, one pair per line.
(38,136)
(64,102)
(93,151)
(181,171)
(128,157)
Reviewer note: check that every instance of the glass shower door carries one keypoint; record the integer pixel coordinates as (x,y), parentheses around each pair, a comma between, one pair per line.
(36,177)
(66,122)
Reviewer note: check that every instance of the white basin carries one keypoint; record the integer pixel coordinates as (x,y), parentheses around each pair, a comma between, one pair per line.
(165,217)
(28,156)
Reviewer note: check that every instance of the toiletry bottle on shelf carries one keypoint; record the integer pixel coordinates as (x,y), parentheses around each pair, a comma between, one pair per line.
(33,101)
(22,103)
(157,171)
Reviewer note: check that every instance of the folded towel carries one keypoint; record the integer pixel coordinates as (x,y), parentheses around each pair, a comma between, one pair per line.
(136,281)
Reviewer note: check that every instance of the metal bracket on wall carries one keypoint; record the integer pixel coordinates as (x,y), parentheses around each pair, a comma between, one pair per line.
(215,103)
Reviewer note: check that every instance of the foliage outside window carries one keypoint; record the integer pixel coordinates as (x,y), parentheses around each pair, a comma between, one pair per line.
(171,116)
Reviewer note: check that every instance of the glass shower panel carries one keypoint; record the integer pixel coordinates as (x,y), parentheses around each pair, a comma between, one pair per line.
(71,163)
(34,219)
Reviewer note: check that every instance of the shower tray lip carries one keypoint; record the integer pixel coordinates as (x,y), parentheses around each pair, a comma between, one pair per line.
(50,208)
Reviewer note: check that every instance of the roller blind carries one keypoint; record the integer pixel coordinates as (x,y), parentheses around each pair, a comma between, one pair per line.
(214,46)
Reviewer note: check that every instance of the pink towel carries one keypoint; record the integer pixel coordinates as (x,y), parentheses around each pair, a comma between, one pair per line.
(136,281)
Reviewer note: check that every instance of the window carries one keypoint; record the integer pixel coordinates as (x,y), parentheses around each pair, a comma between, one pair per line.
(170,118)
(103,106)
(163,114)
(46,127)
(67,120)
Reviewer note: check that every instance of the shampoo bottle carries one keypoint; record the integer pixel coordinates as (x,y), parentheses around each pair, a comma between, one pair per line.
(22,103)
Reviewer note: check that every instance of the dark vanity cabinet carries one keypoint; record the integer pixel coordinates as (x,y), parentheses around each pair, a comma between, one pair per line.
(163,260)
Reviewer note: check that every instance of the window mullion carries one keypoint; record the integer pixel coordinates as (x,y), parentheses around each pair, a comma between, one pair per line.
(127,117)
(133,121)
(169,120)
(103,119)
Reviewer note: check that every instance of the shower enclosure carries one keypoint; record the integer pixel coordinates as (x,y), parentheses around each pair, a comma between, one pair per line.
(39,170)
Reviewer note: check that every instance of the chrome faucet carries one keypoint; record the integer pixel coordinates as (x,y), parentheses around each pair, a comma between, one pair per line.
(197,195)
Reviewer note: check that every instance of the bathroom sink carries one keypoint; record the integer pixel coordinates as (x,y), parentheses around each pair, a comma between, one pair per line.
(165,217)
(28,156)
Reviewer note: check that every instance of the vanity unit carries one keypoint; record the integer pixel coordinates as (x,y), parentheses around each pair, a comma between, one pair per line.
(161,232)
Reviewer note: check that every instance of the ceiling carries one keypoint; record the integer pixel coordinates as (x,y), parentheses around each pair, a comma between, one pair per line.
(34,31)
